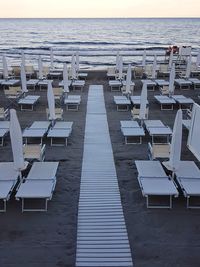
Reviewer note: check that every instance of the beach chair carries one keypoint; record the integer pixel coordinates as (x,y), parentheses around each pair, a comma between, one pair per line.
(16,70)
(111,72)
(122,103)
(132,132)
(29,69)
(166,102)
(158,151)
(135,113)
(4,129)
(60,130)
(58,95)
(155,184)
(58,113)
(8,180)
(13,94)
(183,102)
(34,152)
(158,131)
(72,102)
(38,129)
(188,178)
(138,72)
(4,114)
(38,186)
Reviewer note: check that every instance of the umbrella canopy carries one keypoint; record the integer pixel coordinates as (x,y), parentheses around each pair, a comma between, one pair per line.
(120,68)
(52,58)
(171,80)
(175,148)
(51,102)
(40,68)
(171,59)
(117,60)
(144,58)
(128,80)
(188,68)
(154,67)
(5,68)
(23,79)
(77,60)
(16,141)
(23,58)
(73,67)
(143,102)
(65,78)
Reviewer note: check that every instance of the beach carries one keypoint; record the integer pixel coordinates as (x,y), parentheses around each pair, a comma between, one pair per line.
(158,237)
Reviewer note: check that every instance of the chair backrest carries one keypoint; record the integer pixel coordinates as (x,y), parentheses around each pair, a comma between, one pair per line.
(111,70)
(135,112)
(138,72)
(58,91)
(29,68)
(33,151)
(16,71)
(160,150)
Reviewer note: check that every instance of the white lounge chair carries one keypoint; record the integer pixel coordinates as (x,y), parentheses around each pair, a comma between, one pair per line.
(157,130)
(166,102)
(8,180)
(188,177)
(38,185)
(34,152)
(122,103)
(154,182)
(131,131)
(61,130)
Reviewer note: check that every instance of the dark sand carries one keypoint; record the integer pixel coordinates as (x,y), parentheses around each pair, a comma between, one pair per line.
(157,237)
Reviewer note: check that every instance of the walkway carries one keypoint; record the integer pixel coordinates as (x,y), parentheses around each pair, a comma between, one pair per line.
(102,236)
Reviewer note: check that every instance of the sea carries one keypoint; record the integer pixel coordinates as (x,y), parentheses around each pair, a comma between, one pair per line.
(97,40)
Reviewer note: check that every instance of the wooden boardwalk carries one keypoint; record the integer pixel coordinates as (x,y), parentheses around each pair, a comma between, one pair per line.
(102,236)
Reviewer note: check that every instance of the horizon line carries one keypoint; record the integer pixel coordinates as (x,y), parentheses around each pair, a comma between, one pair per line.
(100,17)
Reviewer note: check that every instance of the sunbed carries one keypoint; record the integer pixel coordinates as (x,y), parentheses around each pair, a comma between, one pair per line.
(183,83)
(166,102)
(150,84)
(131,131)
(188,177)
(115,85)
(37,130)
(122,103)
(154,182)
(78,84)
(28,102)
(38,185)
(157,130)
(8,179)
(195,82)
(72,102)
(183,102)
(61,130)
(32,83)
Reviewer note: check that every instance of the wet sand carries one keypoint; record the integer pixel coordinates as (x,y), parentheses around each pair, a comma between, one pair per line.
(157,237)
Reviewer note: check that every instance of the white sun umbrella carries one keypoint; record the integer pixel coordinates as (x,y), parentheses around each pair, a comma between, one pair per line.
(73,67)
(171,59)
(117,61)
(154,67)
(144,58)
(65,79)
(128,80)
(120,75)
(23,58)
(143,102)
(188,67)
(23,79)
(175,148)
(77,60)
(5,68)
(198,59)
(51,102)
(52,58)
(40,67)
(171,80)
(16,142)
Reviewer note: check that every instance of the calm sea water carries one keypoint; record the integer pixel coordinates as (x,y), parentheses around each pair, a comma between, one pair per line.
(98,40)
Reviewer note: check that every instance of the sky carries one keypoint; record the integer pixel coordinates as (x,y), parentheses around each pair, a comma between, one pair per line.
(98,8)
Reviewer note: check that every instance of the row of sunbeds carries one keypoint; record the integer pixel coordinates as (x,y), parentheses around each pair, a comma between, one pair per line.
(156,184)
